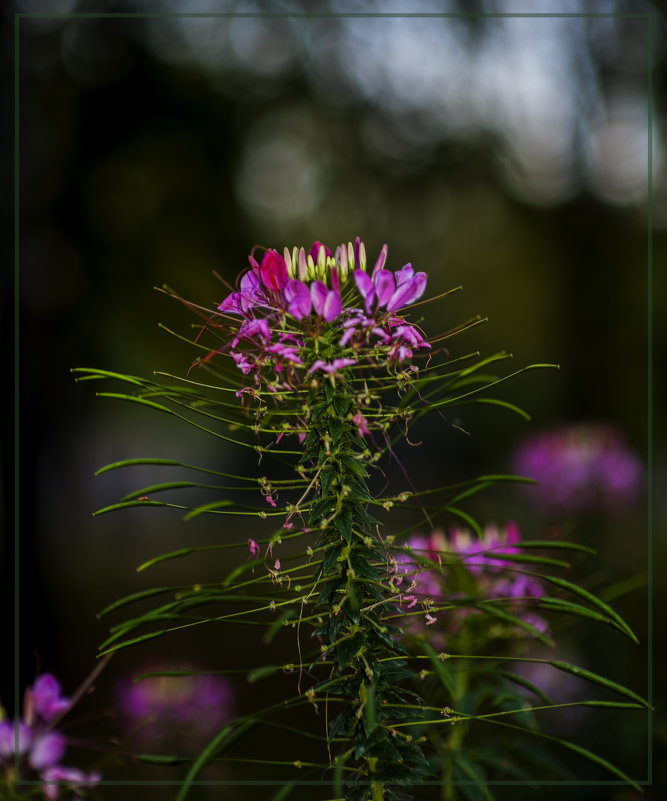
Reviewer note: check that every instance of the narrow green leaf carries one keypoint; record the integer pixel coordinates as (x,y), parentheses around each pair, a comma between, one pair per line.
(136,399)
(129,504)
(284,792)
(164,557)
(505,404)
(150,636)
(166,486)
(277,624)
(524,558)
(598,760)
(159,759)
(240,570)
(582,593)
(218,744)
(208,508)
(502,614)
(443,673)
(136,596)
(466,518)
(571,546)
(525,683)
(473,772)
(93,372)
(262,672)
(569,607)
(588,675)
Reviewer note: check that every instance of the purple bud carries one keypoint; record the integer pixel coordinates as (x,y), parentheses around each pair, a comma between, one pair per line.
(273,271)
(382,258)
(314,252)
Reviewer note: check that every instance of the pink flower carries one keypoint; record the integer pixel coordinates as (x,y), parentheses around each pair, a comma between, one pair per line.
(254,548)
(72,776)
(336,364)
(361,423)
(9,733)
(46,750)
(47,701)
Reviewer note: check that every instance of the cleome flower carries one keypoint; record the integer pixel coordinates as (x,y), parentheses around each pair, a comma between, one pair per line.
(580,468)
(37,745)
(482,560)
(301,317)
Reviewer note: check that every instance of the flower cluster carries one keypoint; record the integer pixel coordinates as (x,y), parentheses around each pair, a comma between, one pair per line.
(37,744)
(183,709)
(580,468)
(493,576)
(303,313)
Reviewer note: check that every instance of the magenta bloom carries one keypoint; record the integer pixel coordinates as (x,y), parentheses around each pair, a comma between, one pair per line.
(386,289)
(284,302)
(40,747)
(72,777)
(336,364)
(181,710)
(47,701)
(46,750)
(580,468)
(10,732)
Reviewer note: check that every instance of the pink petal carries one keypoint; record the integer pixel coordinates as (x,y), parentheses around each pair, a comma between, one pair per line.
(297,295)
(46,750)
(366,288)
(384,285)
(319,293)
(332,306)
(408,292)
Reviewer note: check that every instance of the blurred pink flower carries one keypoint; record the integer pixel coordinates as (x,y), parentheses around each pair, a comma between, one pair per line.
(585,467)
(185,708)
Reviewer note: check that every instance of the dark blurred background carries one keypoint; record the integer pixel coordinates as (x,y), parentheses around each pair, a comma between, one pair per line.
(506,153)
